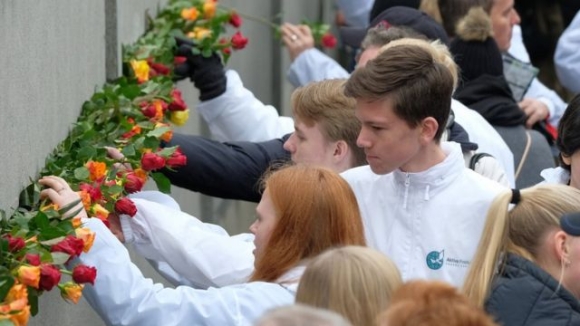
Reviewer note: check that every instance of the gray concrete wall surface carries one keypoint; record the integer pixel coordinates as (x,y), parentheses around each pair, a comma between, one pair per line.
(56,53)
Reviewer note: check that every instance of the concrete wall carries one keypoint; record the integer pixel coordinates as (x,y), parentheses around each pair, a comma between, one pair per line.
(56,53)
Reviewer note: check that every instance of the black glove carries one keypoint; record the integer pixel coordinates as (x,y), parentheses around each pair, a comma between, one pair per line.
(207,74)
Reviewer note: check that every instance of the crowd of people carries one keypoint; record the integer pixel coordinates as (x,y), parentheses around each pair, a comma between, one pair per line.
(438,183)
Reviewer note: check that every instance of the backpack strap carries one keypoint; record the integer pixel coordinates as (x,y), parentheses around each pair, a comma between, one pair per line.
(475,158)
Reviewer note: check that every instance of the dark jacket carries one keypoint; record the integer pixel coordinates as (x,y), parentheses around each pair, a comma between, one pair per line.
(225,170)
(525,294)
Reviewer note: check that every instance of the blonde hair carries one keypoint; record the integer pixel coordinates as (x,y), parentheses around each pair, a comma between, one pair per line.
(432,303)
(431,8)
(439,52)
(356,282)
(300,315)
(324,103)
(518,231)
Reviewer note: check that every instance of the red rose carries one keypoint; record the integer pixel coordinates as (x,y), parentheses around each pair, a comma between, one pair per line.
(15,244)
(177,103)
(227,51)
(328,41)
(235,20)
(159,68)
(177,159)
(239,41)
(94,192)
(133,183)
(125,206)
(70,245)
(33,259)
(84,274)
(152,161)
(49,277)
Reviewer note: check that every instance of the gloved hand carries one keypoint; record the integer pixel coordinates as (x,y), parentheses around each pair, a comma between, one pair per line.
(207,74)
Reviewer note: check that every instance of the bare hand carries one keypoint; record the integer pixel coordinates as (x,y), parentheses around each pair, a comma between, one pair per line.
(535,111)
(60,193)
(116,154)
(297,38)
(115,227)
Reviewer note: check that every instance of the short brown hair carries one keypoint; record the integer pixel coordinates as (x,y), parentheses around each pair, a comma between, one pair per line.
(324,103)
(316,209)
(417,84)
(432,303)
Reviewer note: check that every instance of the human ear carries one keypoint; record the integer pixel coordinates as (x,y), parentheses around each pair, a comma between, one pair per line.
(429,127)
(562,248)
(566,159)
(341,150)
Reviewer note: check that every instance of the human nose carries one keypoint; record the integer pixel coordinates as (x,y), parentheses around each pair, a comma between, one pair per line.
(253,228)
(515,17)
(289,144)
(362,140)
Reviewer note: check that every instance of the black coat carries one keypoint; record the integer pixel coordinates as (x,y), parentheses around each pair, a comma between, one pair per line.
(225,170)
(525,294)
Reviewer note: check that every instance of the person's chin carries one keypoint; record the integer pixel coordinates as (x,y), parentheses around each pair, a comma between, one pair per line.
(379,169)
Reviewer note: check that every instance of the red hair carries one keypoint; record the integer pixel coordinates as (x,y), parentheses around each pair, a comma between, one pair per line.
(432,303)
(316,210)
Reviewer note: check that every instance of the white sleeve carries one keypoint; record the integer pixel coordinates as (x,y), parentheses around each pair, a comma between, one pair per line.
(567,56)
(121,294)
(201,253)
(357,13)
(313,65)
(237,115)
(490,168)
(537,90)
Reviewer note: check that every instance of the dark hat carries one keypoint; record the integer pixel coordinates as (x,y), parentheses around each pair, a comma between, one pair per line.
(570,223)
(474,48)
(415,19)
(381,5)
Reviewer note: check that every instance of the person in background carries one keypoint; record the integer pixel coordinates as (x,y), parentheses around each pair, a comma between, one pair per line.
(286,236)
(567,56)
(568,144)
(526,268)
(539,103)
(356,282)
(432,303)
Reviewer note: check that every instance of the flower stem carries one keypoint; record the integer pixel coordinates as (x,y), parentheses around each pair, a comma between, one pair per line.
(253,18)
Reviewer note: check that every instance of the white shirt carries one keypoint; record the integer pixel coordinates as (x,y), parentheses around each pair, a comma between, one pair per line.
(123,296)
(567,56)
(428,223)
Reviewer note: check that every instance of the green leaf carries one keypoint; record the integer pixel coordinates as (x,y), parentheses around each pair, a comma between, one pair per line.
(33,300)
(82,173)
(53,241)
(157,132)
(59,258)
(162,182)
(128,150)
(86,152)
(69,207)
(6,283)
(29,197)
(41,221)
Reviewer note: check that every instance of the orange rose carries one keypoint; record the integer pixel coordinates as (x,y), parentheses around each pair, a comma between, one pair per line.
(209,8)
(97,170)
(99,211)
(29,275)
(87,236)
(71,291)
(189,13)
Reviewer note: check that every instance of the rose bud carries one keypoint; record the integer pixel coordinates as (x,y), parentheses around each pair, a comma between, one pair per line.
(15,244)
(328,41)
(33,259)
(49,277)
(239,41)
(84,274)
(71,291)
(177,103)
(177,159)
(29,275)
(152,161)
(235,20)
(70,245)
(133,183)
(125,206)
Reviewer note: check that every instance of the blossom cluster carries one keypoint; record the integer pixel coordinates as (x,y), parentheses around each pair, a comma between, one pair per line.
(132,117)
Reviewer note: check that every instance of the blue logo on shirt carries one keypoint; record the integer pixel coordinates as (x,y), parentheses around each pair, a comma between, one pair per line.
(435,259)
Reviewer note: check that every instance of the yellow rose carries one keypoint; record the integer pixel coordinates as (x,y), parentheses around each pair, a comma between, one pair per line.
(179,118)
(199,33)
(141,70)
(209,9)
